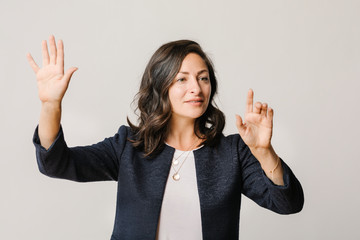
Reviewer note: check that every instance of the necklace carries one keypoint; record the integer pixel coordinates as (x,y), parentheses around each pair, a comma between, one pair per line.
(176,175)
(176,161)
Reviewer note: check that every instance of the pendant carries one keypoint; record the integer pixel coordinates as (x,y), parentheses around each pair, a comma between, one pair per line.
(176,177)
(176,162)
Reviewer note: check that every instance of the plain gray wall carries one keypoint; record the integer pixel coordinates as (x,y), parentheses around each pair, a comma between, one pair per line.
(302,57)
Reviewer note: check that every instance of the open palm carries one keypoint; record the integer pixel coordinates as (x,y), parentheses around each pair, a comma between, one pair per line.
(52,82)
(256,130)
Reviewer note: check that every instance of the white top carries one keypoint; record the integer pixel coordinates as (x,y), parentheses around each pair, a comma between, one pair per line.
(180,216)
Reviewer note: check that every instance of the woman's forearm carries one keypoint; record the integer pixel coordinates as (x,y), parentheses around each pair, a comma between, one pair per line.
(270,163)
(49,123)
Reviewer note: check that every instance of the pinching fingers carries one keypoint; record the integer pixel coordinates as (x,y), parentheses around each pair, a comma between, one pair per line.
(264,108)
(240,125)
(271,113)
(257,107)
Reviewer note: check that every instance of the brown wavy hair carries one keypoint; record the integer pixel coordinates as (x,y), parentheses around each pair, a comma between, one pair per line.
(154,105)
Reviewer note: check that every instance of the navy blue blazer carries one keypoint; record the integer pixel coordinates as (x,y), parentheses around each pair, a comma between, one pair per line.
(223,173)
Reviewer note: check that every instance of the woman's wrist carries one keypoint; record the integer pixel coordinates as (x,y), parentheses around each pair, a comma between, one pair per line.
(270,163)
(266,156)
(51,106)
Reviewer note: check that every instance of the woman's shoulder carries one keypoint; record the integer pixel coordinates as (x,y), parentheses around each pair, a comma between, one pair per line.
(122,136)
(233,138)
(231,143)
(125,130)
(227,142)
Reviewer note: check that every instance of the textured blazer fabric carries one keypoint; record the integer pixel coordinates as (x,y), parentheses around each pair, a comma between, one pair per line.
(223,173)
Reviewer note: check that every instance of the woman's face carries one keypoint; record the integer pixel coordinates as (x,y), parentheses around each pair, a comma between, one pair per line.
(190,91)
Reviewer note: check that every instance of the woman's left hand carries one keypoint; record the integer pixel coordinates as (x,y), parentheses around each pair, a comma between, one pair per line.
(256,130)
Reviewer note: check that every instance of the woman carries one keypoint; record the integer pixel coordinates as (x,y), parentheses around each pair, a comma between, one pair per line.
(178,176)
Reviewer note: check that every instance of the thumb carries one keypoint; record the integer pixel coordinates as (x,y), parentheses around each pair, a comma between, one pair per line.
(69,73)
(240,125)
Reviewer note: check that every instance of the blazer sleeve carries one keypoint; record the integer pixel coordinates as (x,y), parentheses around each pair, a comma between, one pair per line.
(97,162)
(257,186)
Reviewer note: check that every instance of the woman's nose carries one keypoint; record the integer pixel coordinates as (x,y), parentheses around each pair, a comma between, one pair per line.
(194,86)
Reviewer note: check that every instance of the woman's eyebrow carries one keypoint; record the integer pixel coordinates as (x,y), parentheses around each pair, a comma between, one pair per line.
(200,72)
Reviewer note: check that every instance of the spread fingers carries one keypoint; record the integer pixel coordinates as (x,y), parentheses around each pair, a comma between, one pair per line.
(45,53)
(32,63)
(52,49)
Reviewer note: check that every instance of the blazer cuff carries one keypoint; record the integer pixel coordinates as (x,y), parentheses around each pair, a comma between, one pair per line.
(286,176)
(37,143)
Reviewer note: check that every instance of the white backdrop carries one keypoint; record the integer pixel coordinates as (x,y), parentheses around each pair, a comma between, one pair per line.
(300,56)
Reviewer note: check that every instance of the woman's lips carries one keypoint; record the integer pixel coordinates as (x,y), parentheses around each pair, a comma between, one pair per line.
(195,102)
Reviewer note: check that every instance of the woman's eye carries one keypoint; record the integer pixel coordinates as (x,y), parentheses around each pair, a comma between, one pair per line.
(180,79)
(204,78)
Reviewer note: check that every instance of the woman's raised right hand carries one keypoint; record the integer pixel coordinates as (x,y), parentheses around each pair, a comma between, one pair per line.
(51,80)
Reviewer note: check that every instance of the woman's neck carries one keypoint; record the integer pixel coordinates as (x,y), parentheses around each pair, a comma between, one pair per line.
(181,135)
